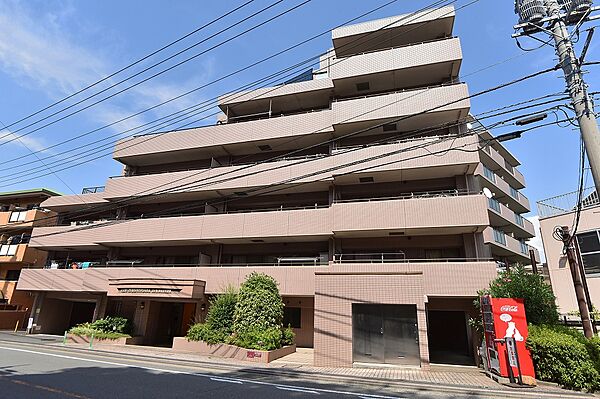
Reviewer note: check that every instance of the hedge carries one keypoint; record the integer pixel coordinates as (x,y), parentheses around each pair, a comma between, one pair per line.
(565,356)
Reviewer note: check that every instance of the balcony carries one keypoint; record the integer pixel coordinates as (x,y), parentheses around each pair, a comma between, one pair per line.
(502,190)
(359,111)
(224,140)
(504,246)
(287,98)
(27,218)
(438,214)
(496,162)
(393,31)
(319,171)
(21,253)
(65,203)
(502,216)
(417,65)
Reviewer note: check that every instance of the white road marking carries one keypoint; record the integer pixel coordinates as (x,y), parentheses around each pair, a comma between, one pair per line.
(297,390)
(242,380)
(226,380)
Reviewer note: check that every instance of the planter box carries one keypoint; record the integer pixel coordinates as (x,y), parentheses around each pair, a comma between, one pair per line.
(77,339)
(181,344)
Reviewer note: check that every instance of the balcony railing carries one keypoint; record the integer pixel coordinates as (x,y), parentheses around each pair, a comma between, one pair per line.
(566,203)
(92,190)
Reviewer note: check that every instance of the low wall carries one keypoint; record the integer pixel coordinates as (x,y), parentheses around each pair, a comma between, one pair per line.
(9,319)
(78,339)
(181,344)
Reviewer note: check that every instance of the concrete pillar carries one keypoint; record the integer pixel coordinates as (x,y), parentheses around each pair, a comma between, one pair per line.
(100,309)
(36,309)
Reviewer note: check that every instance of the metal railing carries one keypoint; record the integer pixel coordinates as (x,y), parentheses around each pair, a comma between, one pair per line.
(566,203)
(92,190)
(414,195)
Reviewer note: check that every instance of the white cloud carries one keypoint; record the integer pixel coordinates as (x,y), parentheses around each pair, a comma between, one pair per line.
(39,52)
(537,240)
(32,143)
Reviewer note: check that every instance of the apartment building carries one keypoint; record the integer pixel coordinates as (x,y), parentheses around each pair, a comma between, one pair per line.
(560,211)
(340,184)
(20,212)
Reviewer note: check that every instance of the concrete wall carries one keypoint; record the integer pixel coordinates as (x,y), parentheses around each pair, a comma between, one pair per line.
(558,267)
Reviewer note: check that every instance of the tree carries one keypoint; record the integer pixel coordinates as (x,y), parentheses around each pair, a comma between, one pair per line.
(540,302)
(259,305)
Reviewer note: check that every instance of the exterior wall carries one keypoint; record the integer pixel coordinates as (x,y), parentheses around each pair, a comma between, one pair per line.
(293,281)
(558,267)
(338,287)
(305,334)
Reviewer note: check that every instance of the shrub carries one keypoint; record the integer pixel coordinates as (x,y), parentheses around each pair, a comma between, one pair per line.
(259,305)
(87,330)
(564,356)
(540,302)
(289,337)
(260,339)
(113,324)
(219,320)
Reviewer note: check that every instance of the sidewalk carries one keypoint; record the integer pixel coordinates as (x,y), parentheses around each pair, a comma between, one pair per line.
(439,376)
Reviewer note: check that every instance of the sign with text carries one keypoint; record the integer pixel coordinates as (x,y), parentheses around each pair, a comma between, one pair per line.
(505,318)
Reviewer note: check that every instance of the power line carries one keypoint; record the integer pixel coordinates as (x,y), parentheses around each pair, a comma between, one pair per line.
(155,195)
(206,25)
(158,73)
(231,74)
(275,88)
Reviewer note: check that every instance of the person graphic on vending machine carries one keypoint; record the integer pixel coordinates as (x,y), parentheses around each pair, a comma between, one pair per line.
(511,329)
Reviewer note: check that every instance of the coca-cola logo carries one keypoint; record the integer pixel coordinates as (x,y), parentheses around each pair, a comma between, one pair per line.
(509,308)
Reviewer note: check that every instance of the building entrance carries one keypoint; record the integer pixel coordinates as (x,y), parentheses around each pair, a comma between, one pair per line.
(385,334)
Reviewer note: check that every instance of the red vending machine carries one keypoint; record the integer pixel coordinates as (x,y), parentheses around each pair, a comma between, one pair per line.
(505,333)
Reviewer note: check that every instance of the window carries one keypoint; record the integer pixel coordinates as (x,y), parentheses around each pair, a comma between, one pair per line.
(519,219)
(8,249)
(514,193)
(12,275)
(589,247)
(487,172)
(494,204)
(499,237)
(524,247)
(17,216)
(292,317)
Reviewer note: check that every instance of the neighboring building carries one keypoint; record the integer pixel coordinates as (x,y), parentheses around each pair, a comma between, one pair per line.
(20,212)
(561,211)
(379,265)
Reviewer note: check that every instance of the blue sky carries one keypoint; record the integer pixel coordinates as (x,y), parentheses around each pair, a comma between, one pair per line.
(48,49)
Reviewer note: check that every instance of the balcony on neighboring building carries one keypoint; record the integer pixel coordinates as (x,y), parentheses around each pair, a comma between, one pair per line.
(503,246)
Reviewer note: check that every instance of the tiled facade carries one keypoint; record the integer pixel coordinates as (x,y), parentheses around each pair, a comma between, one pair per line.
(370,207)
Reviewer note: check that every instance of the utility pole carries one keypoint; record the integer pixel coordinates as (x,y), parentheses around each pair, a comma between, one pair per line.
(568,240)
(552,17)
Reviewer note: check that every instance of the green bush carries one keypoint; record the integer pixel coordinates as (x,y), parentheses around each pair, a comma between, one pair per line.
(259,305)
(219,320)
(289,337)
(260,339)
(87,330)
(113,325)
(564,356)
(540,302)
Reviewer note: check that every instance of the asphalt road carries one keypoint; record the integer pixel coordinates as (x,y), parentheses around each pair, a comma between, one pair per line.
(45,371)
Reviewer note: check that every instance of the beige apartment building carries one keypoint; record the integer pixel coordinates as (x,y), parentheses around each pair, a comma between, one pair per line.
(20,212)
(561,211)
(340,184)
